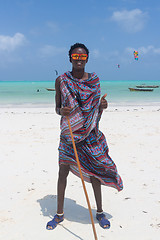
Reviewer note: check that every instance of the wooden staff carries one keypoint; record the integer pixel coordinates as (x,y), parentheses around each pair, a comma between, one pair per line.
(84,187)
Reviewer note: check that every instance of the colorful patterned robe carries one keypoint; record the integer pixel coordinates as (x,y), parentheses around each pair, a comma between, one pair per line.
(84,97)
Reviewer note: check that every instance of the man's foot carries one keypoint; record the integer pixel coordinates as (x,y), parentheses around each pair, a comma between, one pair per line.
(54,222)
(103,221)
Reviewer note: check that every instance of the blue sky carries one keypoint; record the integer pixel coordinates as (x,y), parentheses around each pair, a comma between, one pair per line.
(35,36)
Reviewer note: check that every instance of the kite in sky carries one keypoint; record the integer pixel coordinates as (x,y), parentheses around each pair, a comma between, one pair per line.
(56,72)
(135,55)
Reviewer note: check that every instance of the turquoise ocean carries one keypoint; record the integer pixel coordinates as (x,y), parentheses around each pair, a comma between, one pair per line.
(35,94)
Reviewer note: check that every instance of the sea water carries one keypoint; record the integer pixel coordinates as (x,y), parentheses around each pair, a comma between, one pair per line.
(36,94)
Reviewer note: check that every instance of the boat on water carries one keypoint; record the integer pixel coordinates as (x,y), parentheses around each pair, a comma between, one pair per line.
(147,86)
(141,89)
(50,89)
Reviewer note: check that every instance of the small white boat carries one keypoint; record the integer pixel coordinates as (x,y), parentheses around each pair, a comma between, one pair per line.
(148,86)
(50,89)
(141,89)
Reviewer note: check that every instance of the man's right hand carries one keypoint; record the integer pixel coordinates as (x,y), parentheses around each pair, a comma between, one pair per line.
(65,111)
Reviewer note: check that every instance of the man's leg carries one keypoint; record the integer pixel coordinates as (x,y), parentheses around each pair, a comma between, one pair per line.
(62,182)
(61,186)
(96,184)
(103,221)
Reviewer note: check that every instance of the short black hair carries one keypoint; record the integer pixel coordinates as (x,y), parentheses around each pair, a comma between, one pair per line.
(77,45)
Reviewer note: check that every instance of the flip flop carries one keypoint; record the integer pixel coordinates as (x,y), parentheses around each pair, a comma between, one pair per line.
(54,222)
(103,221)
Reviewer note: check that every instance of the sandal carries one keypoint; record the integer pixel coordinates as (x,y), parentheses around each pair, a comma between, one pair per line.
(54,222)
(103,221)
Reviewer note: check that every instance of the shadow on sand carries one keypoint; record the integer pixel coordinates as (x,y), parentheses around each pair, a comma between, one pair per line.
(73,211)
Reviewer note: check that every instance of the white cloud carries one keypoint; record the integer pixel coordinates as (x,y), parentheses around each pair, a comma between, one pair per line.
(95,53)
(50,50)
(131,21)
(53,26)
(156,50)
(130,50)
(144,50)
(149,49)
(9,44)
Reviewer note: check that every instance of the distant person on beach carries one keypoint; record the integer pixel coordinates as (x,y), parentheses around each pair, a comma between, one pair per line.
(78,96)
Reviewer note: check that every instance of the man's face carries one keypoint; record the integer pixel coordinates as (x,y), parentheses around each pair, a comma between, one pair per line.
(79,64)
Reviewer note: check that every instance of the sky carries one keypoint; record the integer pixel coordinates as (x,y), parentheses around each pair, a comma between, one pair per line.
(36,35)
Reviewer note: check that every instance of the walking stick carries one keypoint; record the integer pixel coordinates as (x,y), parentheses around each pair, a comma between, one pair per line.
(84,187)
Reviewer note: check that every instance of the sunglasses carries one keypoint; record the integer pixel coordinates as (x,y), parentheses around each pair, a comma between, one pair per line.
(81,56)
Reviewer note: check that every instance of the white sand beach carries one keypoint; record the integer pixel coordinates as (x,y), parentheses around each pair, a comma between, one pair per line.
(29,139)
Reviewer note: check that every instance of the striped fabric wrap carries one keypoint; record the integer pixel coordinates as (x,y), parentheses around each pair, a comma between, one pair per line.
(83,96)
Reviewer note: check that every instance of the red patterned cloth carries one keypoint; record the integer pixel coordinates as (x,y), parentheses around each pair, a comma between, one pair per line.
(83,96)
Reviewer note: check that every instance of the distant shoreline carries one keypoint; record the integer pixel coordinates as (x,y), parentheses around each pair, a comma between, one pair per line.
(112,106)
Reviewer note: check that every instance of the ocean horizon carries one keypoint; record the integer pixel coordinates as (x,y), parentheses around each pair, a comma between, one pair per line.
(35,93)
